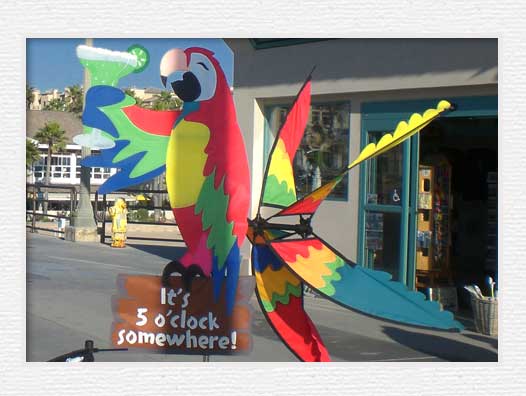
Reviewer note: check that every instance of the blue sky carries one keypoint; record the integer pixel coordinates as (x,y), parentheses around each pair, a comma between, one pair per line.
(52,63)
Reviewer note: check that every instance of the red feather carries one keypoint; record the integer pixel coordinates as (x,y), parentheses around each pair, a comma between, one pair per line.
(226,148)
(157,122)
(298,331)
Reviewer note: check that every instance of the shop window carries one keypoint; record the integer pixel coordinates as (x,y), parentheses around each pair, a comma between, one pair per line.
(324,150)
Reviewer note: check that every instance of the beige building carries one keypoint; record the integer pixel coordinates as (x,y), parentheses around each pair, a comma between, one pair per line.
(148,96)
(42,99)
(361,88)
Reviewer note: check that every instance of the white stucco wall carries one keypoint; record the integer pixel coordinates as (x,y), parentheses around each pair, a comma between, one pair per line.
(358,70)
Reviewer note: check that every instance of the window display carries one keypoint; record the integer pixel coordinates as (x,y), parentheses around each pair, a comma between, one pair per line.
(324,149)
(433,229)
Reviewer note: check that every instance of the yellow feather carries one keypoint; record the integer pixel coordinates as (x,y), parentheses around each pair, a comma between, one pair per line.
(272,282)
(403,131)
(280,166)
(313,267)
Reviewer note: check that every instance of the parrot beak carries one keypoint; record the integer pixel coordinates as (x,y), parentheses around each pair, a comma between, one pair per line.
(172,61)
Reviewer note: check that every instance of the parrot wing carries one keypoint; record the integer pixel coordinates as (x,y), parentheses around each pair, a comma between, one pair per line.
(280,295)
(404,130)
(355,287)
(139,136)
(279,189)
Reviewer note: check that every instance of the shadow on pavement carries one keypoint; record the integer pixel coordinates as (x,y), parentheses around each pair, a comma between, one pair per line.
(441,347)
(167,252)
(493,342)
(341,344)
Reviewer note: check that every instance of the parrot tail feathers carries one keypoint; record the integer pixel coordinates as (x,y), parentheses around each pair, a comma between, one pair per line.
(227,274)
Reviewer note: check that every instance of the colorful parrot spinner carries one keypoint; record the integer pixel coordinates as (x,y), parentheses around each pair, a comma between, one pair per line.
(201,149)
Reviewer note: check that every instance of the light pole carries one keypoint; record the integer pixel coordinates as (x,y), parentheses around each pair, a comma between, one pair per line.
(83,226)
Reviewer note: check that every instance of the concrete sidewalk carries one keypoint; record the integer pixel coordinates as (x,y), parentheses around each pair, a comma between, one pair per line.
(69,289)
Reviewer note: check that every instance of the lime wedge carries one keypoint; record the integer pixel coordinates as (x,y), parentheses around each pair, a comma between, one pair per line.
(143,57)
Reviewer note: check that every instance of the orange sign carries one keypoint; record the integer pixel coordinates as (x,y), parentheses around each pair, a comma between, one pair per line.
(171,319)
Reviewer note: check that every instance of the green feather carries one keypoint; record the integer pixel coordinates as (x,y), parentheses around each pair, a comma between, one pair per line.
(334,276)
(277,193)
(153,146)
(212,204)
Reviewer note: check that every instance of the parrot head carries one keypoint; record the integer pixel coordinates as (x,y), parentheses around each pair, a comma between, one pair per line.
(194,74)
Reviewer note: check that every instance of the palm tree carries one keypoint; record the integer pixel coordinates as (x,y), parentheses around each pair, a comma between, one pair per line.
(57,104)
(32,154)
(55,138)
(165,101)
(76,99)
(29,96)
(131,92)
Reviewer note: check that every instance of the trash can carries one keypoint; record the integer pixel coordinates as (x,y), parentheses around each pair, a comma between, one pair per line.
(486,315)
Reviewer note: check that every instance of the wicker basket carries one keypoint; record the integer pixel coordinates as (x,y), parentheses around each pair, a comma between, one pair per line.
(486,315)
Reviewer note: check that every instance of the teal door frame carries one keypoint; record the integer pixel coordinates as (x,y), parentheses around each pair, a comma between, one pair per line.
(384,116)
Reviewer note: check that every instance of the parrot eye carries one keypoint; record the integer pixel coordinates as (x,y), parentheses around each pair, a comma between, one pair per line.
(202,64)
(203,69)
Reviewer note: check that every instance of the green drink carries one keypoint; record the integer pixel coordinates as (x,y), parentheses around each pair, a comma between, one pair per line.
(107,67)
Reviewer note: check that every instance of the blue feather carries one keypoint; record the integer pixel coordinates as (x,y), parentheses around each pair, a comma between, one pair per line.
(371,292)
(374,293)
(122,178)
(262,257)
(228,275)
(100,96)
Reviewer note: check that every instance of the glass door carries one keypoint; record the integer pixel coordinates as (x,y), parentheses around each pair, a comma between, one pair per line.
(385,209)
(388,206)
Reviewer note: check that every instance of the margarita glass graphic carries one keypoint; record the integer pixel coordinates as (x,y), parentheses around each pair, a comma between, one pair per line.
(107,67)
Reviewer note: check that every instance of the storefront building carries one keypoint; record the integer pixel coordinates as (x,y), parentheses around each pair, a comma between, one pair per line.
(425,211)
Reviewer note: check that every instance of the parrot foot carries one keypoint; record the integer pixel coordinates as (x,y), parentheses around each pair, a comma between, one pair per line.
(187,273)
